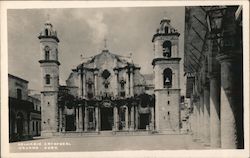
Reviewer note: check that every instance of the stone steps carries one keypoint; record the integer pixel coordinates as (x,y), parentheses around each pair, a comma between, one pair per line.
(106,133)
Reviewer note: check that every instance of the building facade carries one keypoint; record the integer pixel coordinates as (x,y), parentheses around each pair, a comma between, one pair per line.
(22,111)
(108,92)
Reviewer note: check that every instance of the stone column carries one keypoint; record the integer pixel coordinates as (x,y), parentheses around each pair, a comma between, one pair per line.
(152,118)
(60,119)
(116,83)
(132,119)
(80,119)
(131,82)
(86,119)
(99,116)
(96,83)
(232,133)
(127,84)
(126,118)
(25,127)
(97,119)
(64,120)
(198,128)
(77,120)
(136,117)
(84,84)
(215,137)
(206,115)
(79,84)
(201,117)
(195,119)
(30,130)
(116,119)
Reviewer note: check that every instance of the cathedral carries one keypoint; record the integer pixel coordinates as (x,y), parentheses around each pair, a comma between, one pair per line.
(107,92)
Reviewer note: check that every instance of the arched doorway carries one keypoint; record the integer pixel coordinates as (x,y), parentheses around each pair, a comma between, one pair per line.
(106,118)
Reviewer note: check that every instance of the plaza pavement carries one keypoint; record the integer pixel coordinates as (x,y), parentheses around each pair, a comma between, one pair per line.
(108,143)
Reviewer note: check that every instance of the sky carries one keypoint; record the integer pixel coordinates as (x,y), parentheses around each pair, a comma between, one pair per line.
(82,32)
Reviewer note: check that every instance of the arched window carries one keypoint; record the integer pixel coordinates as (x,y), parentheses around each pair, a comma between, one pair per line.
(19,93)
(46,53)
(106,74)
(47,79)
(167,78)
(166,30)
(167,49)
(46,32)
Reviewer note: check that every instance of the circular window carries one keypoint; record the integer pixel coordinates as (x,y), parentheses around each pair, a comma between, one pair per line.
(106,74)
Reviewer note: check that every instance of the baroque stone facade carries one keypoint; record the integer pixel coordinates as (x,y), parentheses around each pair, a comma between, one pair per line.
(108,92)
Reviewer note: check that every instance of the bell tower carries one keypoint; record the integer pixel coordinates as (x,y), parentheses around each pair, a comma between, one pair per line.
(166,65)
(50,79)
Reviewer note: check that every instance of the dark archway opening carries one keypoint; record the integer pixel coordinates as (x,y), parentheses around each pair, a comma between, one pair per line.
(144,121)
(46,32)
(20,122)
(167,50)
(70,123)
(106,118)
(167,78)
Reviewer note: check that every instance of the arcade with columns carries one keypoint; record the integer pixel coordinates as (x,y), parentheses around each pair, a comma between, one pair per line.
(214,70)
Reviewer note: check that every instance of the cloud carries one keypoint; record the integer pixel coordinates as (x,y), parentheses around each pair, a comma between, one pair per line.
(99,29)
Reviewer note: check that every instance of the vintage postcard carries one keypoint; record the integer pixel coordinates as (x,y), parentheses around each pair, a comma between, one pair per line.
(125,79)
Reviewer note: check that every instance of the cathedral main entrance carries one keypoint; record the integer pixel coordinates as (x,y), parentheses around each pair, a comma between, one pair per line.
(106,118)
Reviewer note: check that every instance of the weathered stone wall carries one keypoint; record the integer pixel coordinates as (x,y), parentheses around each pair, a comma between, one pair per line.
(15,84)
(49,113)
(167,109)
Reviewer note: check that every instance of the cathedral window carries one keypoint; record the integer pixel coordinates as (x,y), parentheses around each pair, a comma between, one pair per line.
(90,88)
(46,32)
(46,53)
(122,92)
(106,74)
(167,78)
(47,79)
(167,49)
(166,30)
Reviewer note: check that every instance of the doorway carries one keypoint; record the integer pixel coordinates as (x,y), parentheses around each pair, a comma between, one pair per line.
(20,122)
(106,118)
(144,121)
(70,123)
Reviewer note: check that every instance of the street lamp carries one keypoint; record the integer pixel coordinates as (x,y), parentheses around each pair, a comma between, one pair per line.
(214,19)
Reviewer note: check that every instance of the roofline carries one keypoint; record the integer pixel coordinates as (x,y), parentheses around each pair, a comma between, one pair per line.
(18,78)
(164,34)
